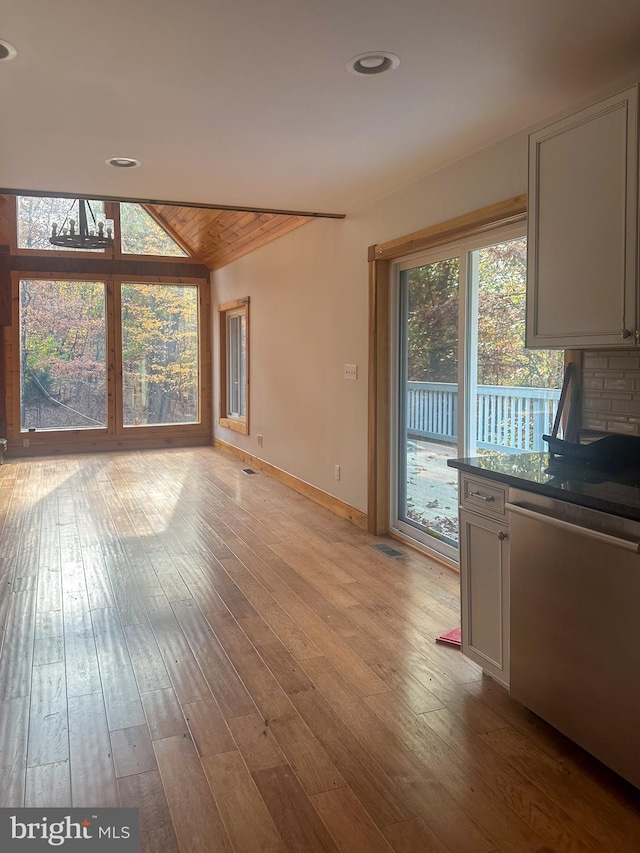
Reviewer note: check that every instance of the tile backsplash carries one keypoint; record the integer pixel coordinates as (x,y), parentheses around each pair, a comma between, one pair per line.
(611,391)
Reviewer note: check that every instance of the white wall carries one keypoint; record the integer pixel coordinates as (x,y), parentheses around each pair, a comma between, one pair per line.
(309,316)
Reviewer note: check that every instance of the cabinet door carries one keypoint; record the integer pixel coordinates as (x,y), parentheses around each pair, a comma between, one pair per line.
(582,222)
(484,593)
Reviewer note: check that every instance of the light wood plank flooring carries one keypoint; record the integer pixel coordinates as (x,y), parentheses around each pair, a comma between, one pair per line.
(239,664)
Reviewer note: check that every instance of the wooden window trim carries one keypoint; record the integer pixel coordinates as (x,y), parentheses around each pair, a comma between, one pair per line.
(237,424)
(114,434)
(380,255)
(112,211)
(203,426)
(106,255)
(506,212)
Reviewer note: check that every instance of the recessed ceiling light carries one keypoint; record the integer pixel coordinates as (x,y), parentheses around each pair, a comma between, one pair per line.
(7,51)
(122,162)
(374,62)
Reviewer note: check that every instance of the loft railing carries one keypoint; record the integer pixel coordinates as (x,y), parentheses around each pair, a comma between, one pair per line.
(507,417)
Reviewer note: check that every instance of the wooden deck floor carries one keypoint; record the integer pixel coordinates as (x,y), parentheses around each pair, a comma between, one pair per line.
(243,667)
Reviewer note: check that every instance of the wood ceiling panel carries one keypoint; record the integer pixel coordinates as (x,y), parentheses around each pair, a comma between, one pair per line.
(235,252)
(217,237)
(194,226)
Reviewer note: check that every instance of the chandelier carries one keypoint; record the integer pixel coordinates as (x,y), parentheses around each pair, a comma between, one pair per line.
(79,235)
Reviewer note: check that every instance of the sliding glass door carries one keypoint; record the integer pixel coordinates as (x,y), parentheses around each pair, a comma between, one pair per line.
(465,385)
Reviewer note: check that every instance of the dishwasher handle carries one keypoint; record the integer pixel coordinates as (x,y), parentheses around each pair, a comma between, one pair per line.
(617,541)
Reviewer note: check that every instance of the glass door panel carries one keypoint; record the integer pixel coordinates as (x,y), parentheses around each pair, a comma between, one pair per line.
(514,391)
(428,400)
(63,363)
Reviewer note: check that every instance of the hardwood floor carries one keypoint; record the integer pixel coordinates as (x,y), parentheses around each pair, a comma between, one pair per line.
(240,665)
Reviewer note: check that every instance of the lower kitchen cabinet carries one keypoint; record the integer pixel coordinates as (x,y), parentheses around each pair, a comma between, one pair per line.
(484,592)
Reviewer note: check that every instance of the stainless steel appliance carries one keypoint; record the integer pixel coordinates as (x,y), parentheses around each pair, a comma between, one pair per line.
(575,624)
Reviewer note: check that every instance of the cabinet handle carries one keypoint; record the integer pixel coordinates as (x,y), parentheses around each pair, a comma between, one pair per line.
(625,333)
(487,498)
(502,535)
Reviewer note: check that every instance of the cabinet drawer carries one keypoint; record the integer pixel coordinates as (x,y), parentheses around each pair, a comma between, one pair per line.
(482,496)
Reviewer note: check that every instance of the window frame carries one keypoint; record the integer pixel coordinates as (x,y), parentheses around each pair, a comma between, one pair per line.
(115,432)
(236,308)
(110,208)
(112,211)
(119,255)
(61,435)
(129,429)
(432,541)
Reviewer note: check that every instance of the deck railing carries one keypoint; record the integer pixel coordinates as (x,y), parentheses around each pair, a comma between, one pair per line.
(507,417)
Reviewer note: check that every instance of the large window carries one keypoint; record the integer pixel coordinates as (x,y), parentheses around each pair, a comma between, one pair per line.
(112,356)
(108,347)
(63,361)
(159,354)
(234,365)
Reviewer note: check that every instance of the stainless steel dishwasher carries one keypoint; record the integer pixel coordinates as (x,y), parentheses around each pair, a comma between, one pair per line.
(575,624)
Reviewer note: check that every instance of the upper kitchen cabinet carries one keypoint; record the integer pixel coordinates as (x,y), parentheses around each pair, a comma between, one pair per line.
(583,228)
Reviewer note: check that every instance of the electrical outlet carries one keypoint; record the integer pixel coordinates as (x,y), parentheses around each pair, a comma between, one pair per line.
(351,371)
(259,440)
(25,442)
(336,472)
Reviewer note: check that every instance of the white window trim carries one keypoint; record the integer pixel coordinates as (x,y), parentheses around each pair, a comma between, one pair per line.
(460,249)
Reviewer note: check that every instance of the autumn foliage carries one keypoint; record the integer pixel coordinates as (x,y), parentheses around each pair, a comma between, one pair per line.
(63,341)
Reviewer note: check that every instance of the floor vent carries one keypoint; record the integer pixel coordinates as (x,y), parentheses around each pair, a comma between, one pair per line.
(388,550)
(249,471)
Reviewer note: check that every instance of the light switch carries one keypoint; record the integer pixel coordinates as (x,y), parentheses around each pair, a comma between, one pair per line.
(351,371)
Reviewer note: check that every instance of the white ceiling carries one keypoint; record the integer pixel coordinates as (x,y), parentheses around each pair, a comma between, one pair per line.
(248,102)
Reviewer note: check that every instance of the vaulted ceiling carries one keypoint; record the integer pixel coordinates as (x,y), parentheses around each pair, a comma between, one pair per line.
(217,237)
(211,237)
(248,103)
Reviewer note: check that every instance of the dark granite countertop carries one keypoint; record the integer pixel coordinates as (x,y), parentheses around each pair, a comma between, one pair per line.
(614,492)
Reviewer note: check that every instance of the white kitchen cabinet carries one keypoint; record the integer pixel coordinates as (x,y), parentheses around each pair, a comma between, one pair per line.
(582,288)
(484,577)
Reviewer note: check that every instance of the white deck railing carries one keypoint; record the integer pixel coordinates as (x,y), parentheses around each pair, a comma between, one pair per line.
(507,417)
